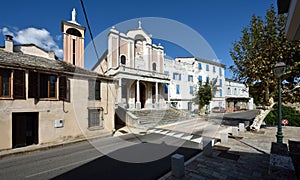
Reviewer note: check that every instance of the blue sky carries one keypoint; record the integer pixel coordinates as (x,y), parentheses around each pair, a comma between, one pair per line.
(218,22)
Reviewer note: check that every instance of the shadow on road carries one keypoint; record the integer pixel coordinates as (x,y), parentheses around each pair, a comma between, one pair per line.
(108,168)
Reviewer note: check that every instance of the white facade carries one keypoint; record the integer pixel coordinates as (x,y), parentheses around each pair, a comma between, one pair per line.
(185,73)
(237,96)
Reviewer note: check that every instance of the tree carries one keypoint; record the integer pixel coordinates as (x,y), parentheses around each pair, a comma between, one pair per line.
(205,93)
(261,46)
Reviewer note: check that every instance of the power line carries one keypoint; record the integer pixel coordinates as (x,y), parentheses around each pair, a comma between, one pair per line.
(91,34)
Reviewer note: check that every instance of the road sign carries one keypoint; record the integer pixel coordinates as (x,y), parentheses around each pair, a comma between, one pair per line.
(284,121)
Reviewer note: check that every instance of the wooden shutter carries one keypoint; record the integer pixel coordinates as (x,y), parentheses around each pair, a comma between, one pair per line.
(63,88)
(33,85)
(19,84)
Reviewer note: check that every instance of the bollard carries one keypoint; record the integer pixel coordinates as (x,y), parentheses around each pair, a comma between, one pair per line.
(177,165)
(224,137)
(235,131)
(241,127)
(207,146)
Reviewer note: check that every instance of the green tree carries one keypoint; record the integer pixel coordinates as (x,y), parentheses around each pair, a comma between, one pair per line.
(205,93)
(261,46)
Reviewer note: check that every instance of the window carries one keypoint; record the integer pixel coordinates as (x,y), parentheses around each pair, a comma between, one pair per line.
(199,66)
(207,67)
(64,88)
(166,73)
(94,118)
(190,78)
(191,89)
(166,88)
(221,82)
(221,93)
(214,69)
(200,78)
(229,91)
(74,51)
(123,59)
(207,79)
(48,85)
(45,86)
(154,66)
(176,76)
(94,90)
(177,89)
(5,80)
(220,71)
(235,91)
(19,84)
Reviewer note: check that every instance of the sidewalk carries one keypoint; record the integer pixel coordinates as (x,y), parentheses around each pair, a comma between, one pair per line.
(41,147)
(244,157)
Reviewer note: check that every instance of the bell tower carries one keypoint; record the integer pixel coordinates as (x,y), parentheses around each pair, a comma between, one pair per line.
(73,41)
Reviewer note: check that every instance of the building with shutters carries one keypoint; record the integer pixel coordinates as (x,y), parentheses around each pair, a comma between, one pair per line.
(47,100)
(186,73)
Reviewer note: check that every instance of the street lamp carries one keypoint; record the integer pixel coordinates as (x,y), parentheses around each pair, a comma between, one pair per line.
(279,70)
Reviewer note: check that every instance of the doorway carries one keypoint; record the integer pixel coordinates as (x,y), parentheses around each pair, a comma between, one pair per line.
(24,129)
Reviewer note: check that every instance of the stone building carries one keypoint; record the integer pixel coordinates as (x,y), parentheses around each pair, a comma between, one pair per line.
(47,100)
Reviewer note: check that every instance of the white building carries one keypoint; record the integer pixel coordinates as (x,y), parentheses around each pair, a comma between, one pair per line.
(185,73)
(237,96)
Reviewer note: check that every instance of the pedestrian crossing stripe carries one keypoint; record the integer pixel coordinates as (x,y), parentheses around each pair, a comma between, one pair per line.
(184,136)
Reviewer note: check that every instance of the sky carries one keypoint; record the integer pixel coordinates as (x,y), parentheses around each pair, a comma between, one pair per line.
(216,23)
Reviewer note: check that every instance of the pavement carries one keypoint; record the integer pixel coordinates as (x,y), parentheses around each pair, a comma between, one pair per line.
(245,156)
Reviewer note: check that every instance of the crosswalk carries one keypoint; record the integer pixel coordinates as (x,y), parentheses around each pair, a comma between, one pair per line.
(185,136)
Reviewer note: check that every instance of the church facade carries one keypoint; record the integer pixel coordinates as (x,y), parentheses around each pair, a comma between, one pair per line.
(137,66)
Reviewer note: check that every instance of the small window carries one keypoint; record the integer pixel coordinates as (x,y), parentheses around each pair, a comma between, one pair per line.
(154,66)
(221,93)
(177,89)
(229,91)
(200,78)
(123,60)
(94,90)
(214,69)
(166,73)
(220,71)
(221,83)
(94,118)
(199,66)
(5,83)
(191,89)
(190,78)
(48,86)
(166,88)
(207,79)
(207,67)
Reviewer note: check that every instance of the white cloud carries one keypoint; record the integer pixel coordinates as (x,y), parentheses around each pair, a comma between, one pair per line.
(39,37)
(217,60)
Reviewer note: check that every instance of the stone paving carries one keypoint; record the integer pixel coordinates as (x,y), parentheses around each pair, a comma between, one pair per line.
(247,156)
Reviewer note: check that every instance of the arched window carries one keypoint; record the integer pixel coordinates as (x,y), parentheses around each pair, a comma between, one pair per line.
(154,66)
(74,32)
(123,59)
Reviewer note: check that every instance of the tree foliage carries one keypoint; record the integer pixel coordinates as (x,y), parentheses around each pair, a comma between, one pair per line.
(205,93)
(261,46)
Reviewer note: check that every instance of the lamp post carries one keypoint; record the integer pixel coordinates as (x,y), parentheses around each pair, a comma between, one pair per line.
(279,70)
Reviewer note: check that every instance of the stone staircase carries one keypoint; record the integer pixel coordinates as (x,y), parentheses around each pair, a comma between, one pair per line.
(149,118)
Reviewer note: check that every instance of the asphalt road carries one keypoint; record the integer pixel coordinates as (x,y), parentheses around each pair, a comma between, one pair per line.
(130,157)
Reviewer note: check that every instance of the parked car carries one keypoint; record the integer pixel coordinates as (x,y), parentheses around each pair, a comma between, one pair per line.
(218,109)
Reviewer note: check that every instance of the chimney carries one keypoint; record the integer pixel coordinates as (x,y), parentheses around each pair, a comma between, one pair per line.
(51,54)
(9,44)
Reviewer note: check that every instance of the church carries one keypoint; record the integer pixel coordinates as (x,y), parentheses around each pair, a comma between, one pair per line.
(138,67)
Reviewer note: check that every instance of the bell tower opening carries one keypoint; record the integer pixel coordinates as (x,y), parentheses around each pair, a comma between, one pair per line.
(73,41)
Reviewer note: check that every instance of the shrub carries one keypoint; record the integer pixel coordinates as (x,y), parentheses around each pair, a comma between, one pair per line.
(289,113)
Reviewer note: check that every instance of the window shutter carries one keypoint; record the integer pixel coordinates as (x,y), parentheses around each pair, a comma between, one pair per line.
(33,83)
(91,90)
(62,88)
(19,84)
